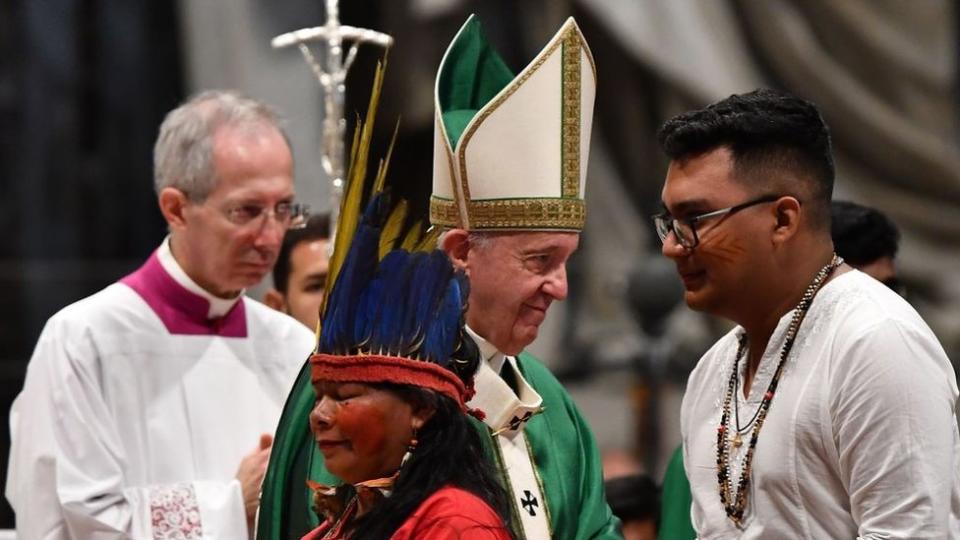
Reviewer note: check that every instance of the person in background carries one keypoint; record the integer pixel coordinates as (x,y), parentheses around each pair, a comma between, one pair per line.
(867,240)
(635,499)
(300,274)
(148,407)
(829,411)
(617,462)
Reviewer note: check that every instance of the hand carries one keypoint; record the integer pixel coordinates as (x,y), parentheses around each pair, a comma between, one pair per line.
(250,474)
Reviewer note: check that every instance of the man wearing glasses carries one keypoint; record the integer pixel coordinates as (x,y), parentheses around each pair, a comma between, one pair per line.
(828,412)
(147,407)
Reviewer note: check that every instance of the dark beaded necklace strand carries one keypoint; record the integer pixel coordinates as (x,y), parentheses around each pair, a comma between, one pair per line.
(734,503)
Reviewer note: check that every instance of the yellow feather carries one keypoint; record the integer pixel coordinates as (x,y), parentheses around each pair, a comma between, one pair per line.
(411,239)
(355,144)
(393,228)
(351,206)
(429,240)
(385,162)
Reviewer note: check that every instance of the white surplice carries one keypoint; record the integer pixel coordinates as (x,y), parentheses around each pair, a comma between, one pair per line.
(138,407)
(861,437)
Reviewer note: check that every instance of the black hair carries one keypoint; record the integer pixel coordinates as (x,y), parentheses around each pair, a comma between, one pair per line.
(634,497)
(768,132)
(317,228)
(449,452)
(862,235)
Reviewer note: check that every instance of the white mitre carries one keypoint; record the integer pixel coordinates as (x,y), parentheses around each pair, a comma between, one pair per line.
(510,152)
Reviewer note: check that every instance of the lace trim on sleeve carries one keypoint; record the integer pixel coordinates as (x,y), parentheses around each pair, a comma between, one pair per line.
(175,513)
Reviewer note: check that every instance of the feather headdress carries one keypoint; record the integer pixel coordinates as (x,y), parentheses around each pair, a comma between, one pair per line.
(398,319)
(394,313)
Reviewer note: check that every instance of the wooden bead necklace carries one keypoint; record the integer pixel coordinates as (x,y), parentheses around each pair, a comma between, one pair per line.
(735,502)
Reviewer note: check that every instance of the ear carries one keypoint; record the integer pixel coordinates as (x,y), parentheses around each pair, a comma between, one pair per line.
(275,299)
(787,219)
(172,204)
(456,244)
(420,415)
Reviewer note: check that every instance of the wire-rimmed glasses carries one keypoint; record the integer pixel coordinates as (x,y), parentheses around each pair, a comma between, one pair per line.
(289,215)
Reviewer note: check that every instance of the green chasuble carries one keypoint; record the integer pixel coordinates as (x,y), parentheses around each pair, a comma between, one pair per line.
(676,502)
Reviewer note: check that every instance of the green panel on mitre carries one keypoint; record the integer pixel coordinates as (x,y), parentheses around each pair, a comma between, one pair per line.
(472,74)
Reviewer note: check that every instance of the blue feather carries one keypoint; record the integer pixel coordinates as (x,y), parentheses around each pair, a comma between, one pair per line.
(426,292)
(408,304)
(388,319)
(358,269)
(443,330)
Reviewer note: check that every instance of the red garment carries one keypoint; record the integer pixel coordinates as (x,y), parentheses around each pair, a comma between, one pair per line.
(449,514)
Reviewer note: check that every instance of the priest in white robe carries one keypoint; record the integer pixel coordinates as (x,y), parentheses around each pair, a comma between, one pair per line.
(145,405)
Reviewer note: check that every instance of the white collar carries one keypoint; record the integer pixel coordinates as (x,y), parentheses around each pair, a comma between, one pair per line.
(488,351)
(218,306)
(506,411)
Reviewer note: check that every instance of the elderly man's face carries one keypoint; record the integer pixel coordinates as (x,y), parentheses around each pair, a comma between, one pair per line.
(514,277)
(255,170)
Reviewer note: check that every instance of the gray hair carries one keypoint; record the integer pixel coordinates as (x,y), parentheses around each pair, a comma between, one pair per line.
(183,154)
(479,239)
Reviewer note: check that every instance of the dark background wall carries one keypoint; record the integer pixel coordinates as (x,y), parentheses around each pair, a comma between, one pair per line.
(83,86)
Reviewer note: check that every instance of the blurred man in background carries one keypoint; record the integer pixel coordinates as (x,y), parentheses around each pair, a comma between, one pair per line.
(148,407)
(867,240)
(635,499)
(300,275)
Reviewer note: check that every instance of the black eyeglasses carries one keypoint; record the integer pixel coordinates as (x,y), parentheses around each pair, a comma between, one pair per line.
(685,229)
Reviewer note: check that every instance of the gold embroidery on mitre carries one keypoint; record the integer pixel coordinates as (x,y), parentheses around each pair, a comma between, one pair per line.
(444,213)
(534,213)
(570,96)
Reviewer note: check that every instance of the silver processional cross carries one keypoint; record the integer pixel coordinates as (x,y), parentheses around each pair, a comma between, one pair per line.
(331,71)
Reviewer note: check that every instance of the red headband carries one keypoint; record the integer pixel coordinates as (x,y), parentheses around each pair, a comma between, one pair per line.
(375,368)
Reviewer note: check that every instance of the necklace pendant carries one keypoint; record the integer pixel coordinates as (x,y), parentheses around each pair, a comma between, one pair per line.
(737,441)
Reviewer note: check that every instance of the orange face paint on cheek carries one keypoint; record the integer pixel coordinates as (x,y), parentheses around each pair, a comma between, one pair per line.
(722,247)
(363,425)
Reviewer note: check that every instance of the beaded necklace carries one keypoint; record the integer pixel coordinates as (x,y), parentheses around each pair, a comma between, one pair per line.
(735,502)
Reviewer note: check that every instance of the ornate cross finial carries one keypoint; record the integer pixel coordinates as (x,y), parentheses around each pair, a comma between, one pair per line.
(331,72)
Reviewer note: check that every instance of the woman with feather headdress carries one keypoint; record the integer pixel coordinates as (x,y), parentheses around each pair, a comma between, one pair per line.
(392,374)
